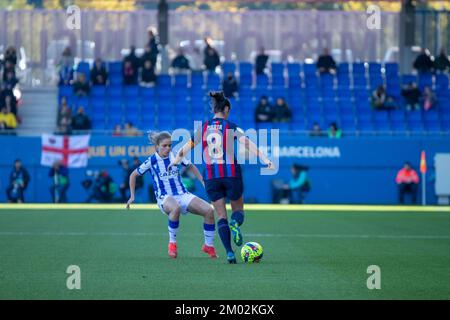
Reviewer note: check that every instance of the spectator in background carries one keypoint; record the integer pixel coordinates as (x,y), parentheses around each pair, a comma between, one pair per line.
(65,76)
(99,75)
(148,55)
(133,59)
(230,86)
(334,131)
(9,82)
(316,131)
(180,62)
(294,191)
(130,75)
(412,95)
(67,59)
(196,60)
(441,62)
(281,111)
(130,130)
(429,98)
(380,100)
(81,86)
(263,111)
(153,44)
(326,63)
(11,55)
(148,76)
(10,103)
(81,121)
(211,59)
(9,71)
(117,132)
(125,185)
(64,120)
(261,61)
(18,182)
(60,177)
(8,120)
(103,189)
(423,63)
(407,181)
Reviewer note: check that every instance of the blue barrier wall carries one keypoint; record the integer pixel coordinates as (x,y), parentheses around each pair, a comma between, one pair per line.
(349,170)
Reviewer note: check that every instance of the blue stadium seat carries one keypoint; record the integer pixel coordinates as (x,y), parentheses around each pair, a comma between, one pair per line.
(278,80)
(245,69)
(115,80)
(148,109)
(98,106)
(65,91)
(375,81)
(228,67)
(83,67)
(425,79)
(441,83)
(245,80)
(399,126)
(397,116)
(197,80)
(98,91)
(131,91)
(374,68)
(391,69)
(164,80)
(365,125)
(181,81)
(407,78)
(358,68)
(414,120)
(131,106)
(348,124)
(115,68)
(343,69)
(81,102)
(293,69)
(326,81)
(277,69)
(294,82)
(343,81)
(262,81)
(359,80)
(147,93)
(309,69)
(114,91)
(212,81)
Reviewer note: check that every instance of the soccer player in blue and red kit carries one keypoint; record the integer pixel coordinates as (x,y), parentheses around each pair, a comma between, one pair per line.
(222,174)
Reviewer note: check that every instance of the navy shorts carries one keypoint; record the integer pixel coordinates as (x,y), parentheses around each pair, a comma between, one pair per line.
(231,188)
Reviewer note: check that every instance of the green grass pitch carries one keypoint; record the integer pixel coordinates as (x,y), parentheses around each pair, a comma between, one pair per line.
(308,254)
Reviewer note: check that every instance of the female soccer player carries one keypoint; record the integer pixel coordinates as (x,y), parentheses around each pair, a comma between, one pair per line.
(171,194)
(222,174)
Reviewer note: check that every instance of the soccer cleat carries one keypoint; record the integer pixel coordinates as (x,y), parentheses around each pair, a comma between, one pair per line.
(231,258)
(172,250)
(211,251)
(236,233)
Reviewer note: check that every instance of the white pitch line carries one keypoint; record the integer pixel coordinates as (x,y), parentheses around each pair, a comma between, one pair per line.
(261,235)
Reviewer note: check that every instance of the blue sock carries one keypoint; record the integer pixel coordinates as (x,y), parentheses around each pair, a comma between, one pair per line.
(224,234)
(238,216)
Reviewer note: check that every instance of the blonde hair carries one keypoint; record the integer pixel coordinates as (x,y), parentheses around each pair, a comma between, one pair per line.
(156,137)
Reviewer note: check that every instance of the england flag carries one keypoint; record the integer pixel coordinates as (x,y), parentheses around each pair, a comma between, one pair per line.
(72,151)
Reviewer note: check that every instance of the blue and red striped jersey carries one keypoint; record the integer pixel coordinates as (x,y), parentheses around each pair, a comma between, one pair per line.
(218,139)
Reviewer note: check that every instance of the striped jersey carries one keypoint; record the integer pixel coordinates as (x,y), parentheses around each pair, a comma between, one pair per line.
(217,138)
(164,182)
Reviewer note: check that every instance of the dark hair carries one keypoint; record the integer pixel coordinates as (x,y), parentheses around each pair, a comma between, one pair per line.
(219,102)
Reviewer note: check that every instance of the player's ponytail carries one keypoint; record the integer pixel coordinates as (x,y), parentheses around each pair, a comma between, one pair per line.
(156,137)
(219,102)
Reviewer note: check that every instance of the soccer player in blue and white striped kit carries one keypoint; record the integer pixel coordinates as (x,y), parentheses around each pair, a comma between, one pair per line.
(172,197)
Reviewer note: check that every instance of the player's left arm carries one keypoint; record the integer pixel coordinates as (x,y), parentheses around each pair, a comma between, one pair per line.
(249,145)
(197,173)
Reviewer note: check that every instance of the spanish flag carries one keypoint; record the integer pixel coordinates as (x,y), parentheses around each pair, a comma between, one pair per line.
(423,163)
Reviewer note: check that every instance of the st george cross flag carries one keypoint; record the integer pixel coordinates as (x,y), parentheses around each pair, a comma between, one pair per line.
(72,151)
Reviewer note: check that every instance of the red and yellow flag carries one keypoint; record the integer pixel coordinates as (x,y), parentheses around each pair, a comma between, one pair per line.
(423,163)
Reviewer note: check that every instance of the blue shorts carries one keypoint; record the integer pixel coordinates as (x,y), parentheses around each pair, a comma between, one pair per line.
(231,188)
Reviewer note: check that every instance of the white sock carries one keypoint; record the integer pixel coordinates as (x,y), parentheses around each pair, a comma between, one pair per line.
(209,232)
(173,229)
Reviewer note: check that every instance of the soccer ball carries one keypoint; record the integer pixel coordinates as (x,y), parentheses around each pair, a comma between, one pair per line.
(251,252)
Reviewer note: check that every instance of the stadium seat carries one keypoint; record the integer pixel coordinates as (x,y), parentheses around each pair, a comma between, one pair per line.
(358,69)
(197,80)
(343,69)
(181,81)
(212,81)
(391,69)
(83,67)
(262,81)
(228,67)
(309,69)
(164,80)
(115,80)
(425,79)
(374,68)
(408,78)
(98,91)
(293,69)
(114,91)
(130,91)
(115,68)
(147,93)
(277,69)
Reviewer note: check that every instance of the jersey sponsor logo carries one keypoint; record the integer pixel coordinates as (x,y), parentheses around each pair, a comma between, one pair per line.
(165,176)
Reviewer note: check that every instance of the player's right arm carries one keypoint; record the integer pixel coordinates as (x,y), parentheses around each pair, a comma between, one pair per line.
(133,176)
(139,171)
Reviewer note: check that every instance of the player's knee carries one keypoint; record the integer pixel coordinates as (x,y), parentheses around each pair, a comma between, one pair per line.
(175,212)
(209,214)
